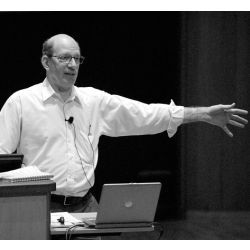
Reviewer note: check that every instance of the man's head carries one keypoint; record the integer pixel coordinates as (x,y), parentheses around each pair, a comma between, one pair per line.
(61,59)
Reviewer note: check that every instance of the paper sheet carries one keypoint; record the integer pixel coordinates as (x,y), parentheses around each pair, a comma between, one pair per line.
(69,220)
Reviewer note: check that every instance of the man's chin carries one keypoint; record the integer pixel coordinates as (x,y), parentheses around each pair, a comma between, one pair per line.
(69,81)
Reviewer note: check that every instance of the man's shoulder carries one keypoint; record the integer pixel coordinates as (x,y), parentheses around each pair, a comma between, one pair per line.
(90,92)
(33,89)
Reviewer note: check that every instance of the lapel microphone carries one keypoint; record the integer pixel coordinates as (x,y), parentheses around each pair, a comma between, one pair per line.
(70,120)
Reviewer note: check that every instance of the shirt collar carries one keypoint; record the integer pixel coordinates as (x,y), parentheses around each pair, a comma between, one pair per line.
(48,92)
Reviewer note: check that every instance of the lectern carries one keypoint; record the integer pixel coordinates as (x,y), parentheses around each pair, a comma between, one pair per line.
(25,210)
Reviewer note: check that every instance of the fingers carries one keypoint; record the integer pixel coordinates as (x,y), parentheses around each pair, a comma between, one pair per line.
(236,111)
(227,131)
(239,119)
(237,124)
(230,109)
(228,106)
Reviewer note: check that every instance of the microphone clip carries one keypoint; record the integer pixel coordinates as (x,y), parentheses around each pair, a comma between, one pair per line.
(70,120)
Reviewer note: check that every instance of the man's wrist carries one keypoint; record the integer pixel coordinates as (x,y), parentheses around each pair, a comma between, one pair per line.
(196,114)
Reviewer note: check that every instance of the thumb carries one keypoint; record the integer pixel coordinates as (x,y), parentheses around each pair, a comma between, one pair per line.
(229,106)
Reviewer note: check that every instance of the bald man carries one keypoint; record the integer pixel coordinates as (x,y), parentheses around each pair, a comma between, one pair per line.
(61,76)
(57,126)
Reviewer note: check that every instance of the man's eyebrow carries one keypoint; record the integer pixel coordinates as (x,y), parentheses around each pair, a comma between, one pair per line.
(67,54)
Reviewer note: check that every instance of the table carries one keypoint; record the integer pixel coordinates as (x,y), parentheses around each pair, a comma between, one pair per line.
(84,231)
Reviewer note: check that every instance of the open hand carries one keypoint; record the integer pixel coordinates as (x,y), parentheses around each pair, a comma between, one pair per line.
(222,115)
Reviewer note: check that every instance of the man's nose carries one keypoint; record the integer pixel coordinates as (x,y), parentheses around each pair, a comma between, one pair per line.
(72,62)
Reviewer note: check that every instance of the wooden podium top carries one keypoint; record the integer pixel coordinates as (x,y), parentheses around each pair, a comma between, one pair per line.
(26,188)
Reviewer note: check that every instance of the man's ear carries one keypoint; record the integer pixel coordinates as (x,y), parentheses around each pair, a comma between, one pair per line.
(45,62)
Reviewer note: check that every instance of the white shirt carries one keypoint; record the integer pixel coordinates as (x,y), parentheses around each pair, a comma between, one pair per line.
(33,121)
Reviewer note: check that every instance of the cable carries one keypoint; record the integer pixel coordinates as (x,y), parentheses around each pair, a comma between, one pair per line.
(71,122)
(93,152)
(159,227)
(70,230)
(80,157)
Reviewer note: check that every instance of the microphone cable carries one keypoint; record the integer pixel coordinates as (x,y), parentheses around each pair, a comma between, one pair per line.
(80,156)
(70,121)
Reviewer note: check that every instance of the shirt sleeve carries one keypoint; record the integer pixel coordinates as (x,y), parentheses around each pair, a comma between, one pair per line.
(177,116)
(10,125)
(121,116)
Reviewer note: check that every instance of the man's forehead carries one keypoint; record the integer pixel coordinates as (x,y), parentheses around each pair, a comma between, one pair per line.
(64,43)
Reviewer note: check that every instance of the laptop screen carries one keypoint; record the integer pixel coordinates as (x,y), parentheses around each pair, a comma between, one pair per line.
(128,203)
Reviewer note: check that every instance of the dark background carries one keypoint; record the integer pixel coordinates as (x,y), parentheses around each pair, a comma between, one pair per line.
(215,69)
(194,58)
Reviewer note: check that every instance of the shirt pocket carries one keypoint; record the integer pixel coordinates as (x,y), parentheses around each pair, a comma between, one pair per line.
(86,149)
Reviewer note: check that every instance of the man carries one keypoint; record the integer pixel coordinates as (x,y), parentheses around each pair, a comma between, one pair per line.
(56,125)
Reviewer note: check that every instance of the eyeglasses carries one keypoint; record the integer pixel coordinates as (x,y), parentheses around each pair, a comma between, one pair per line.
(67,59)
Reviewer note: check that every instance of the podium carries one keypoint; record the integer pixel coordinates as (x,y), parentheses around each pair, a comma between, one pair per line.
(25,210)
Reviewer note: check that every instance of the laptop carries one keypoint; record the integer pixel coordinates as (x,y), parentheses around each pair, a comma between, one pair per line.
(127,205)
(10,162)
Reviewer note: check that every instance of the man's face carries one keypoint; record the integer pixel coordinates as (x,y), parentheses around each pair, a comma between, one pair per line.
(63,75)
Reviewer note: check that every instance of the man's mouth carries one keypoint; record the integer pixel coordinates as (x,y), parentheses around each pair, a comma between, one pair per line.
(70,73)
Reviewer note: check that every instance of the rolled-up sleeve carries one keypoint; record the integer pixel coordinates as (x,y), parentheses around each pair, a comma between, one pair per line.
(121,116)
(177,115)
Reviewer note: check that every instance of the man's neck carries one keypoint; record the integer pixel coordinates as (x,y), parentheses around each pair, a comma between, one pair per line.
(65,94)
(62,92)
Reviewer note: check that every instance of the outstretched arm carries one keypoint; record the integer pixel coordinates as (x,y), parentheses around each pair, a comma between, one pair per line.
(219,115)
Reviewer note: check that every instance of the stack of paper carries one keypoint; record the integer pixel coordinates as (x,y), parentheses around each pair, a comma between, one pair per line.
(28,173)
